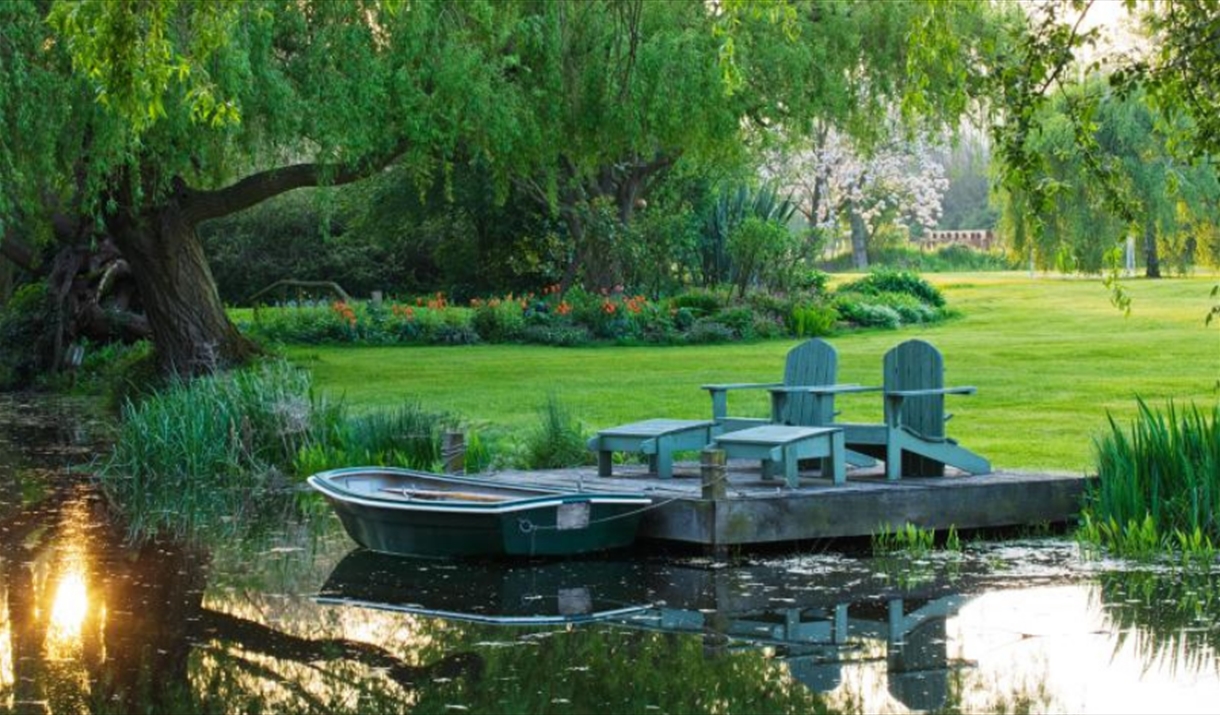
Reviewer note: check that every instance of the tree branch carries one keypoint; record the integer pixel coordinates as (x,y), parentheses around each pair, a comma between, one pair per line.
(199,206)
(17,251)
(1057,70)
(256,637)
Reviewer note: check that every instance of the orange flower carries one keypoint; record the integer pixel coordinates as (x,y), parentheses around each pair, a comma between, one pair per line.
(563,308)
(609,308)
(344,311)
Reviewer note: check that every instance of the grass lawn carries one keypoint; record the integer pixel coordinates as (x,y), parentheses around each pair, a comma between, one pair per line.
(1050,357)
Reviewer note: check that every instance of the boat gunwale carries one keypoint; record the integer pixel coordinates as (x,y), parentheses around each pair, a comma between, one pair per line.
(324,483)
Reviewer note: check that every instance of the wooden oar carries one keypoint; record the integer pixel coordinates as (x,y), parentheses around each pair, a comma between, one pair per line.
(431,494)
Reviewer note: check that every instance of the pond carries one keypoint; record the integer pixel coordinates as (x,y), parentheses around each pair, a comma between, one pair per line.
(296,619)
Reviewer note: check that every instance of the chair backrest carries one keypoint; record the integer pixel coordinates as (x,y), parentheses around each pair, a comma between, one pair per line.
(813,362)
(916,365)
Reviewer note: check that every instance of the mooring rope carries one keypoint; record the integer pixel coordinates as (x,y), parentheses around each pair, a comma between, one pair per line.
(527,526)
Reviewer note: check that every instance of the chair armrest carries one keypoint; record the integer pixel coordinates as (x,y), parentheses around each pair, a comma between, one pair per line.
(824,389)
(741,386)
(894,398)
(818,393)
(720,395)
(933,391)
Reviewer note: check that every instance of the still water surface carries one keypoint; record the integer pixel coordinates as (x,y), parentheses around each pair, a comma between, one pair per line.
(295,619)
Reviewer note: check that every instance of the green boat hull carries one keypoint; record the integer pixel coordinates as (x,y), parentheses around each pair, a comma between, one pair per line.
(519,523)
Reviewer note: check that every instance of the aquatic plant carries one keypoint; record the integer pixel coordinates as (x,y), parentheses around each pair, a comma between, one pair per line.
(1158,484)
(213,454)
(909,556)
(406,435)
(912,539)
(207,452)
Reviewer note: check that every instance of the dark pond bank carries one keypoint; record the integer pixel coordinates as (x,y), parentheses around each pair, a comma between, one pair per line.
(296,619)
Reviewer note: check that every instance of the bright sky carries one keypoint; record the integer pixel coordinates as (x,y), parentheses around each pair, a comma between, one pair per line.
(1117,25)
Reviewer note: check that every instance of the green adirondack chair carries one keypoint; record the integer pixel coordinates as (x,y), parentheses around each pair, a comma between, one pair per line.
(912,441)
(804,399)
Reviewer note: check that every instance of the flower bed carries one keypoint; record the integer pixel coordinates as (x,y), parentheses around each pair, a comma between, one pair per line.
(580,317)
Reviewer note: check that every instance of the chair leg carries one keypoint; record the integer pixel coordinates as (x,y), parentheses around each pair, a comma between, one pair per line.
(790,473)
(603,462)
(893,457)
(835,464)
(663,462)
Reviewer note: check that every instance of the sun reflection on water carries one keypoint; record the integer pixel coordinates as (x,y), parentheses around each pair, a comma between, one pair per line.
(69,608)
(63,610)
(6,649)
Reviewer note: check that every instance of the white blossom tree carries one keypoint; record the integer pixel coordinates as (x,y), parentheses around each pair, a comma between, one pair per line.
(842,189)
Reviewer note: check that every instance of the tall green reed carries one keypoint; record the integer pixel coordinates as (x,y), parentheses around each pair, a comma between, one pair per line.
(1158,483)
(407,435)
(217,454)
(204,454)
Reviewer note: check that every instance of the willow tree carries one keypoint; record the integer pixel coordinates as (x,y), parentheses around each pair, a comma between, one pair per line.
(148,119)
(631,89)
(1144,190)
(1178,69)
(144,119)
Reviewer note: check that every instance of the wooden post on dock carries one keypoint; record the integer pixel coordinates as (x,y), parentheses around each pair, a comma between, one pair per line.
(453,452)
(713,474)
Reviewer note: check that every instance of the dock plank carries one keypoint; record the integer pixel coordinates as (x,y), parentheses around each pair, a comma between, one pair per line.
(758,512)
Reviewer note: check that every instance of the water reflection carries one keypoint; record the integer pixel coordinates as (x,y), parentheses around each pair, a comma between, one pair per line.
(1171,618)
(294,622)
(496,592)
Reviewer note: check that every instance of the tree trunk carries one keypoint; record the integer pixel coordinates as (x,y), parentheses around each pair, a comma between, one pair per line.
(191,331)
(17,251)
(859,240)
(7,278)
(593,260)
(1152,261)
(576,234)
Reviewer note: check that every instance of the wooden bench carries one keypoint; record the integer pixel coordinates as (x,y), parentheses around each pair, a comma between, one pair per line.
(785,445)
(658,439)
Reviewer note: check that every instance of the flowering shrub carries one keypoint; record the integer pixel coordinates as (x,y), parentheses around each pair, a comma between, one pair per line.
(499,320)
(365,323)
(577,317)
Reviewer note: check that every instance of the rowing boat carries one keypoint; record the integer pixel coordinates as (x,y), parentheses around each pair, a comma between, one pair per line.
(408,512)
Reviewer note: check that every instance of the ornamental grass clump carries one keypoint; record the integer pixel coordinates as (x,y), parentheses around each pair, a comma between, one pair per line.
(556,441)
(1158,484)
(205,454)
(406,435)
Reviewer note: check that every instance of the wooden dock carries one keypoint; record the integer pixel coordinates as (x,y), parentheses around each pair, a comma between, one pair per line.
(746,510)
